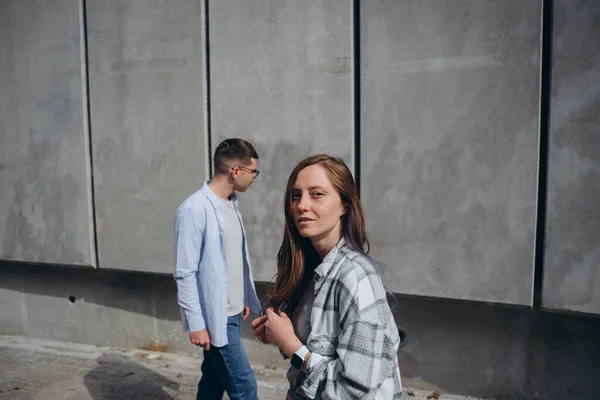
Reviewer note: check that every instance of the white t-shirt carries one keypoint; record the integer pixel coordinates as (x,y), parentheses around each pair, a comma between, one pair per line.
(234,253)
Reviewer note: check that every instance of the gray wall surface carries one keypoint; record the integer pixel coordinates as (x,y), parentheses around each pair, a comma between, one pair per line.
(109,308)
(148,126)
(572,262)
(281,77)
(450,112)
(45,200)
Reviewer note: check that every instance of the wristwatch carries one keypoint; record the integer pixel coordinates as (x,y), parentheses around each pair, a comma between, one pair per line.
(298,357)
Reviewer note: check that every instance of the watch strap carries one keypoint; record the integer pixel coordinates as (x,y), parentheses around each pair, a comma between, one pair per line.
(298,357)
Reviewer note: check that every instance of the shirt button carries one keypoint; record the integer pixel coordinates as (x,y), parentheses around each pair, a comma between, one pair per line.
(317,278)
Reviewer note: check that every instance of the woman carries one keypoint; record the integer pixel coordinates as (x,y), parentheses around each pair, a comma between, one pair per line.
(341,338)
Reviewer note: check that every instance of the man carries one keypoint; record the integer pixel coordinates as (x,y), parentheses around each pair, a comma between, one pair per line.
(215,289)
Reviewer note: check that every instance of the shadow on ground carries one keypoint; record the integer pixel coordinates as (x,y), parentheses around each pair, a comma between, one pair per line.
(118,377)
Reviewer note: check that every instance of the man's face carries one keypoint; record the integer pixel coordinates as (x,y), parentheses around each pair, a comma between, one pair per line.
(243,175)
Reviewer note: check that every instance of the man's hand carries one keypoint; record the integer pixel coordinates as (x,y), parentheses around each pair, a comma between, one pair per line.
(245,313)
(201,338)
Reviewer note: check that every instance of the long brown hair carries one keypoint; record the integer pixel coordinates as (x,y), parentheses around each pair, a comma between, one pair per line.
(297,252)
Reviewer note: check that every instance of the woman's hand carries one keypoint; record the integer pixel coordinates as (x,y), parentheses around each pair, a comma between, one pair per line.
(258,326)
(280,332)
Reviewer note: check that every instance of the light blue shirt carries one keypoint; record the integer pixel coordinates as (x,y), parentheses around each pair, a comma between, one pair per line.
(201,268)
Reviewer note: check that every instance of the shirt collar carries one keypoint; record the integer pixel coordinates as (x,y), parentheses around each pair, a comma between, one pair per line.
(325,267)
(213,198)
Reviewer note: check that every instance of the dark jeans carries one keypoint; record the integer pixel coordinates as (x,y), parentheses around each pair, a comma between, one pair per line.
(227,368)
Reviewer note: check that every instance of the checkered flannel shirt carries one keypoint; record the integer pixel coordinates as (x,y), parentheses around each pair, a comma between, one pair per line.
(353,336)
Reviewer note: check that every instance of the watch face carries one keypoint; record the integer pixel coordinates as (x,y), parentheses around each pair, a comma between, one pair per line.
(297,361)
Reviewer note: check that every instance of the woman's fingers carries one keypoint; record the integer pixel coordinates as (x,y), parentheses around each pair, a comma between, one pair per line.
(259,327)
(259,330)
(259,321)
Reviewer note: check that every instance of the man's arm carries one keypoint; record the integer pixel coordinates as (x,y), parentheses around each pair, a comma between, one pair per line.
(189,230)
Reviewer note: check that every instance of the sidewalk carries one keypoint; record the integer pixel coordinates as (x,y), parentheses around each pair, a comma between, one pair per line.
(33,369)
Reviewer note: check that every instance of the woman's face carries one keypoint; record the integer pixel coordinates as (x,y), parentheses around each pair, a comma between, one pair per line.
(316,206)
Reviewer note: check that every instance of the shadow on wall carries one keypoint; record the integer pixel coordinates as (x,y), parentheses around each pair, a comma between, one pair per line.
(118,377)
(499,352)
(142,293)
(459,346)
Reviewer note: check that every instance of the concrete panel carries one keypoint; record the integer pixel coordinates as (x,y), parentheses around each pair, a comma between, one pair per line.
(13,310)
(108,308)
(45,211)
(147,112)
(281,77)
(572,262)
(449,144)
(105,308)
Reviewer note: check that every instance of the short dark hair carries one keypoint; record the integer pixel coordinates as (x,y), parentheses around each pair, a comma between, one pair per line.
(233,151)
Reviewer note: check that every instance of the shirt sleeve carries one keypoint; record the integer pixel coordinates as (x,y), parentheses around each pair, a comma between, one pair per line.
(353,372)
(189,230)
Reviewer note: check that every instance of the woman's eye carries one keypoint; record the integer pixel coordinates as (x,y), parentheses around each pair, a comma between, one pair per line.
(317,194)
(295,197)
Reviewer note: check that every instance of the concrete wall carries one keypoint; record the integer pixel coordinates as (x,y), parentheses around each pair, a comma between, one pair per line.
(448,161)
(450,113)
(148,128)
(45,179)
(105,308)
(449,141)
(281,77)
(572,262)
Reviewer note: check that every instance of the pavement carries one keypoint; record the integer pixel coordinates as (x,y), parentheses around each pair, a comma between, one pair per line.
(35,369)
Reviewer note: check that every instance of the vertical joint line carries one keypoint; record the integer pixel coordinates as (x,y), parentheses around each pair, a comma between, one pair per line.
(545,99)
(356,61)
(88,121)
(207,86)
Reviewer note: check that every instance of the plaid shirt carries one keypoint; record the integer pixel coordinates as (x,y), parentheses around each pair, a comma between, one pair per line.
(353,336)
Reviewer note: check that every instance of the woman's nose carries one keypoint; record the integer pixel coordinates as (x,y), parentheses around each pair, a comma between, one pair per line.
(303,204)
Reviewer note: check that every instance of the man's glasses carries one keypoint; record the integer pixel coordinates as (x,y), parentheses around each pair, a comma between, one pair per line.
(253,172)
